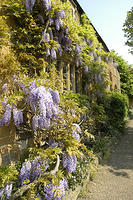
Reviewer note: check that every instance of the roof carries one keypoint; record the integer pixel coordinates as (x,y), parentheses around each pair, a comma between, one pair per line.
(81,11)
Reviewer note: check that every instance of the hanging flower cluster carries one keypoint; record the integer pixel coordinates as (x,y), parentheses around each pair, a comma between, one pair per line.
(25,172)
(57,31)
(29,4)
(76,131)
(32,170)
(44,106)
(43,103)
(69,162)
(55,192)
(17,116)
(6,191)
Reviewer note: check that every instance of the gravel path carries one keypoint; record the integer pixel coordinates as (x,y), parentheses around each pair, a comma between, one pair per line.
(115,178)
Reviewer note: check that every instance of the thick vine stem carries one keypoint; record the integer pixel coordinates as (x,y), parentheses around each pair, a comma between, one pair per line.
(53,172)
(47,23)
(24,188)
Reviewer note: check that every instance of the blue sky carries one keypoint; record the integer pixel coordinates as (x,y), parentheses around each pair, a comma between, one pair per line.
(108,17)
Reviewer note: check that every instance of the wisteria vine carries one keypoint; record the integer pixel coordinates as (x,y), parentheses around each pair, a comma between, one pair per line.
(44,106)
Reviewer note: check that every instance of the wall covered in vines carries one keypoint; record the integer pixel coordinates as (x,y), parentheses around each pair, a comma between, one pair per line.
(35,35)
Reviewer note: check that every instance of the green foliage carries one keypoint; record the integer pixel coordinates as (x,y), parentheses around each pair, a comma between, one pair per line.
(106,120)
(81,174)
(82,101)
(8,174)
(128,29)
(126,75)
(8,63)
(116,107)
(26,58)
(4,32)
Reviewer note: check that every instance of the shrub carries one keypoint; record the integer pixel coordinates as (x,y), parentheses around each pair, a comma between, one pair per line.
(116,108)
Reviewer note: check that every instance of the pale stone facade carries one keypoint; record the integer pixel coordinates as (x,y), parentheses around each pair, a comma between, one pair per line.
(113,77)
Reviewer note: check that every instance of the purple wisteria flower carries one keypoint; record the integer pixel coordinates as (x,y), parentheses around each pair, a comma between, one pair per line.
(3,88)
(55,110)
(55,96)
(32,170)
(55,144)
(51,21)
(4,102)
(8,190)
(25,173)
(7,115)
(76,131)
(91,54)
(1,192)
(32,99)
(38,166)
(46,4)
(42,108)
(53,54)
(51,191)
(29,4)
(88,41)
(57,24)
(95,55)
(32,84)
(43,122)
(46,103)
(69,162)
(17,116)
(61,14)
(35,124)
(67,43)
(45,37)
(67,30)
(77,49)
(15,78)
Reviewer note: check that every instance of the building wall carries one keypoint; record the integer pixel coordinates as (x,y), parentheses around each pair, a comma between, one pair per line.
(71,79)
(112,77)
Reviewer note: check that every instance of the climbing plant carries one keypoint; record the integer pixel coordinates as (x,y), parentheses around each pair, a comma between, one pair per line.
(37,35)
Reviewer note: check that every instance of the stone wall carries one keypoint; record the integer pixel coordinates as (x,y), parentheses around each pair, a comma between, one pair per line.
(113,78)
(11,148)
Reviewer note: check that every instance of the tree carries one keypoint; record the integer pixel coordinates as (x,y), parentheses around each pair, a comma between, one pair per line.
(126,75)
(128,29)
